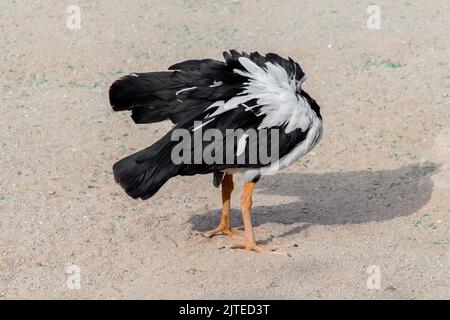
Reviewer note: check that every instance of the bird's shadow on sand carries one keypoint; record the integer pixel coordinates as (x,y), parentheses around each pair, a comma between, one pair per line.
(335,198)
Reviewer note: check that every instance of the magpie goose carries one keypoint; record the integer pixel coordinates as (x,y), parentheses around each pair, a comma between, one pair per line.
(246,93)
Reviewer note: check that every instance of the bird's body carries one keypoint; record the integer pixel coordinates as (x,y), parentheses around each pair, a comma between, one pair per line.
(242,105)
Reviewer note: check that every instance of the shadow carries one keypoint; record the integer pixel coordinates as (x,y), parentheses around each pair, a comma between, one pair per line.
(335,198)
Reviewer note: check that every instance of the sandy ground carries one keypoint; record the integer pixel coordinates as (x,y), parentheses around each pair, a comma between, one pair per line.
(375,192)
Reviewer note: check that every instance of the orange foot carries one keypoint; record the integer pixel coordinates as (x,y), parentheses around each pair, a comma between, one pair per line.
(232,233)
(252,246)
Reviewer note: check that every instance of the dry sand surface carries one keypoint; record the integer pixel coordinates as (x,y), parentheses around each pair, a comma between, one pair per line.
(375,192)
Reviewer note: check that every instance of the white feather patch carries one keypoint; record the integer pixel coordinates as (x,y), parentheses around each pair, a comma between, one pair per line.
(216,84)
(201,125)
(241,144)
(275,91)
(185,89)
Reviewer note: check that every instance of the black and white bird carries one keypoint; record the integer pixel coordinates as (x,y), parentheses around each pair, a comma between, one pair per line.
(246,92)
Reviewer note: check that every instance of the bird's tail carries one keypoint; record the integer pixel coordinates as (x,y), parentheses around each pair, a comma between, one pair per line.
(143,173)
(149,96)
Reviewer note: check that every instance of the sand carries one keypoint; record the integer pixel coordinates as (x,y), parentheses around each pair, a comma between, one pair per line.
(373,196)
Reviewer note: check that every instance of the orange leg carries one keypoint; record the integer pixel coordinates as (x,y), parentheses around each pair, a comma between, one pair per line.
(249,242)
(224,226)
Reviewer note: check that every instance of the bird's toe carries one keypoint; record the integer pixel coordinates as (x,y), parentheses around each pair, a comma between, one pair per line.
(232,233)
(254,247)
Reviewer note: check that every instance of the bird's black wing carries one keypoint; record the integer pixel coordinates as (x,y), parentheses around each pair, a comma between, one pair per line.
(188,88)
(185,91)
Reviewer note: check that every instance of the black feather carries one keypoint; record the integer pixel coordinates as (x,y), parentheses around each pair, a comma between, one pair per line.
(143,173)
